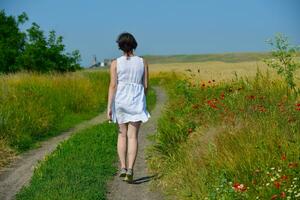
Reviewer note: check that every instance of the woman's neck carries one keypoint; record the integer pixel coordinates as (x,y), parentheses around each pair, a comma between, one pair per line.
(128,54)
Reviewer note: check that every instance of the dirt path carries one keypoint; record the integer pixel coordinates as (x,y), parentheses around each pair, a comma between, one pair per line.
(19,172)
(140,190)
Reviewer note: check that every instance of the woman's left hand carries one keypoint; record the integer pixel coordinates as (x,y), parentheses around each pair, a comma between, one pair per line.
(109,114)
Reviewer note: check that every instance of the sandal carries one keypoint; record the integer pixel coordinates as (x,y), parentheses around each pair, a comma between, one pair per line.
(129,176)
(122,172)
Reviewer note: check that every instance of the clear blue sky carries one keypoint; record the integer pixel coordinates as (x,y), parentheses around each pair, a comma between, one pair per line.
(162,26)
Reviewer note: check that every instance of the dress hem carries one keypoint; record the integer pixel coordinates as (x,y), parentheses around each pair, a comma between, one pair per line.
(133,119)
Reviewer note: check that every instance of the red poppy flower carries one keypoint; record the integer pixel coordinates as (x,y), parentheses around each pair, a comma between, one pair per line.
(298,104)
(293,165)
(283,177)
(222,96)
(274,196)
(283,157)
(277,184)
(282,195)
(251,97)
(212,104)
(209,81)
(238,187)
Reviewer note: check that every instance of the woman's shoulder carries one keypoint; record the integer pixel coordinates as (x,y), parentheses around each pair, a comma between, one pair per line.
(143,59)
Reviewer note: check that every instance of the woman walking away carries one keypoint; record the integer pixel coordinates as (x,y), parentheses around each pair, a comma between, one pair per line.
(127,101)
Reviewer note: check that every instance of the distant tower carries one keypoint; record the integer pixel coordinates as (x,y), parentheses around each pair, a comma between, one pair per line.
(94,60)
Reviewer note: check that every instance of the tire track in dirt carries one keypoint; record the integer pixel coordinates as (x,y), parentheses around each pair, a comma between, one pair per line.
(20,171)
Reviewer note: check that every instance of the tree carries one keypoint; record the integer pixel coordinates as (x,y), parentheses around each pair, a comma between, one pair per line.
(32,51)
(12,41)
(283,60)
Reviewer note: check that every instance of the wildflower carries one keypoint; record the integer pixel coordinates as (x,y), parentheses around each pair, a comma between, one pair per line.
(209,81)
(222,96)
(239,187)
(190,130)
(251,97)
(273,179)
(213,80)
(257,171)
(274,196)
(293,165)
(203,84)
(212,104)
(284,177)
(282,194)
(277,184)
(283,157)
(298,104)
(261,108)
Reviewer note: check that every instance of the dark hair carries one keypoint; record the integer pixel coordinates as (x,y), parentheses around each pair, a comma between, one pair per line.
(126,42)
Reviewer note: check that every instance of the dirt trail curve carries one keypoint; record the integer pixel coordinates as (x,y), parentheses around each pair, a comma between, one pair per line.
(19,172)
(140,189)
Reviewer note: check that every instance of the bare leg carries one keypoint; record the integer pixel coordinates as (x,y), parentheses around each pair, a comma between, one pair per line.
(133,129)
(122,139)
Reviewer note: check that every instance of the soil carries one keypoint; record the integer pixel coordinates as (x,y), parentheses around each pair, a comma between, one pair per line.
(140,189)
(19,172)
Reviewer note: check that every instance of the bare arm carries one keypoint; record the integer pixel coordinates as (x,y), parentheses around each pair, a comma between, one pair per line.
(146,77)
(112,88)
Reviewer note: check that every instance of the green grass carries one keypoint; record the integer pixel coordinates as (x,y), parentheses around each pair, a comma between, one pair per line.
(255,130)
(78,168)
(151,99)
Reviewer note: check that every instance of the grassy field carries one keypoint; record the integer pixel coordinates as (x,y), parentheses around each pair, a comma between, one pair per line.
(224,57)
(218,71)
(37,106)
(80,167)
(229,130)
(227,140)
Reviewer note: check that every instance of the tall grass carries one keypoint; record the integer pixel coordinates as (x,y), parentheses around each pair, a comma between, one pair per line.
(34,106)
(80,166)
(229,140)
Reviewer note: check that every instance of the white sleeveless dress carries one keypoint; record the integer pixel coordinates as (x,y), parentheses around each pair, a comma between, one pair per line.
(129,102)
